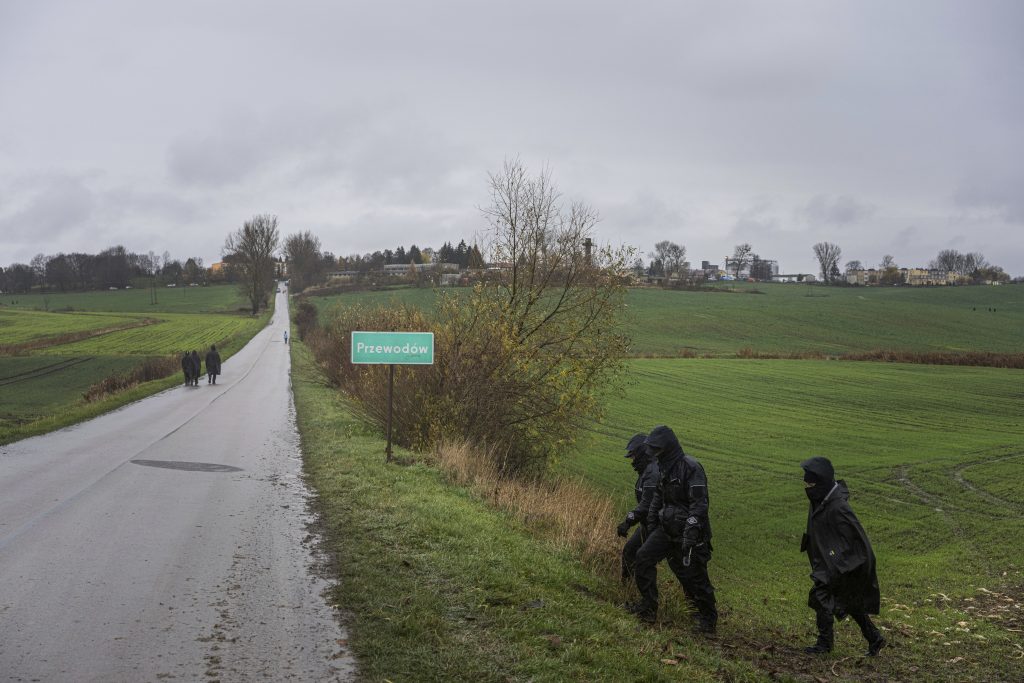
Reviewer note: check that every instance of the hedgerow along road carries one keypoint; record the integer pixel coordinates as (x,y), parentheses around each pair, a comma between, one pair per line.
(169,539)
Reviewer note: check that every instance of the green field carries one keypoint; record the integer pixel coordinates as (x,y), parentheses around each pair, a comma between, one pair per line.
(213,299)
(792,318)
(932,456)
(21,326)
(49,358)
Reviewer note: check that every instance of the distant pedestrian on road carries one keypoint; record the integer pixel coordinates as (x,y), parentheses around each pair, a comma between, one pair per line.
(842,562)
(646,468)
(186,367)
(286,336)
(197,368)
(212,365)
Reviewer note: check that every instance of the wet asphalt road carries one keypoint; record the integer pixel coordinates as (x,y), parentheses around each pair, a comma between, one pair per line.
(169,540)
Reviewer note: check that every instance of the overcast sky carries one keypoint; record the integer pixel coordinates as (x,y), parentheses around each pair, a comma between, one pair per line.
(887,127)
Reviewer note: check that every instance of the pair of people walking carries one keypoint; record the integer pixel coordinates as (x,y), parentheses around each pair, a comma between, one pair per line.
(191,366)
(674,525)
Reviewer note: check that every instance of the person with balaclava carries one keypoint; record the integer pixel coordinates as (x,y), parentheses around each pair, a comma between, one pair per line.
(679,530)
(646,468)
(842,562)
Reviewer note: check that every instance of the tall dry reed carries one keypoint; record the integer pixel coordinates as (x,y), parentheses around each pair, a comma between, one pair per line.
(564,511)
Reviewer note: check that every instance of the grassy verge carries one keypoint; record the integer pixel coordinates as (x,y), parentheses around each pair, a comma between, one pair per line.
(439,586)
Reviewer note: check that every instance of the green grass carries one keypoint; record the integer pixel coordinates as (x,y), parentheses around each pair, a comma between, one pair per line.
(213,299)
(20,326)
(34,387)
(176,332)
(437,586)
(791,318)
(932,456)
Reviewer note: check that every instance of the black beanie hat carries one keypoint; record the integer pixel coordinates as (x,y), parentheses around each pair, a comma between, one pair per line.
(635,445)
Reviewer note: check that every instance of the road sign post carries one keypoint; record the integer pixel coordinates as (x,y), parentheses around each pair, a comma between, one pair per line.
(391,349)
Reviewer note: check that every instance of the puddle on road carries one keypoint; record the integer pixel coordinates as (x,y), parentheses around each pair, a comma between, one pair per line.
(187,466)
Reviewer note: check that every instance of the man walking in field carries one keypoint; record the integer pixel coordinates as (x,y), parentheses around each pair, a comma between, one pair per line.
(212,364)
(646,468)
(679,530)
(842,562)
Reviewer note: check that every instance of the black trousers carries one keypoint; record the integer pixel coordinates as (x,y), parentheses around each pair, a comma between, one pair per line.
(694,578)
(826,626)
(629,551)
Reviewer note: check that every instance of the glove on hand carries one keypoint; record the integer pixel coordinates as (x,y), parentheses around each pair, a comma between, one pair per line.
(623,529)
(691,534)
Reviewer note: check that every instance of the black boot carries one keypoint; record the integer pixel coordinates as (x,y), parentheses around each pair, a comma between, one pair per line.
(823,644)
(821,647)
(643,612)
(876,641)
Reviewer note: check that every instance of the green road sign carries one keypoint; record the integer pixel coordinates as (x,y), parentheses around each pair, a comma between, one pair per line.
(393,348)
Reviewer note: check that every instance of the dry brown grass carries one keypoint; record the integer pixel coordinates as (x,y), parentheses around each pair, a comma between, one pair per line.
(150,369)
(566,512)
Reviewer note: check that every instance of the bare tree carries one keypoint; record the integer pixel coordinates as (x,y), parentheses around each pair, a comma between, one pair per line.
(854,265)
(949,260)
(741,258)
(887,262)
(973,262)
(251,249)
(530,352)
(305,260)
(828,255)
(672,257)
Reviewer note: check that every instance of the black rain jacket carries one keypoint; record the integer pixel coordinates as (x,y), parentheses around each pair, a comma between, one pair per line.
(842,561)
(646,486)
(212,363)
(680,504)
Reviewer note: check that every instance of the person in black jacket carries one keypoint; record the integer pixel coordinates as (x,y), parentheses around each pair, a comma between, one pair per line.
(842,562)
(197,367)
(186,367)
(646,468)
(212,365)
(679,530)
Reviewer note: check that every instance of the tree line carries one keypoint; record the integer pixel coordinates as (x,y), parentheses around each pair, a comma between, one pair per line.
(112,267)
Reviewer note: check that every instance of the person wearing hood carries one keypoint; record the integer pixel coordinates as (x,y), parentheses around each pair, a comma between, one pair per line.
(842,562)
(186,368)
(679,530)
(646,468)
(212,364)
(197,367)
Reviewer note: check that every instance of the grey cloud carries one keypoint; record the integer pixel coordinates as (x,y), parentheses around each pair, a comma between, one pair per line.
(840,210)
(50,207)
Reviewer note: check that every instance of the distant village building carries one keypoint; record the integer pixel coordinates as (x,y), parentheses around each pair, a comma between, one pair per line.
(916,277)
(400,269)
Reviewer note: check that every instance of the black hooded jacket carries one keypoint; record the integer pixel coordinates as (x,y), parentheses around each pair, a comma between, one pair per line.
(212,362)
(646,486)
(842,561)
(680,504)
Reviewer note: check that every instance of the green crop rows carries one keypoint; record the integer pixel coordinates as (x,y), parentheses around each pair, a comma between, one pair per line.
(19,326)
(175,333)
